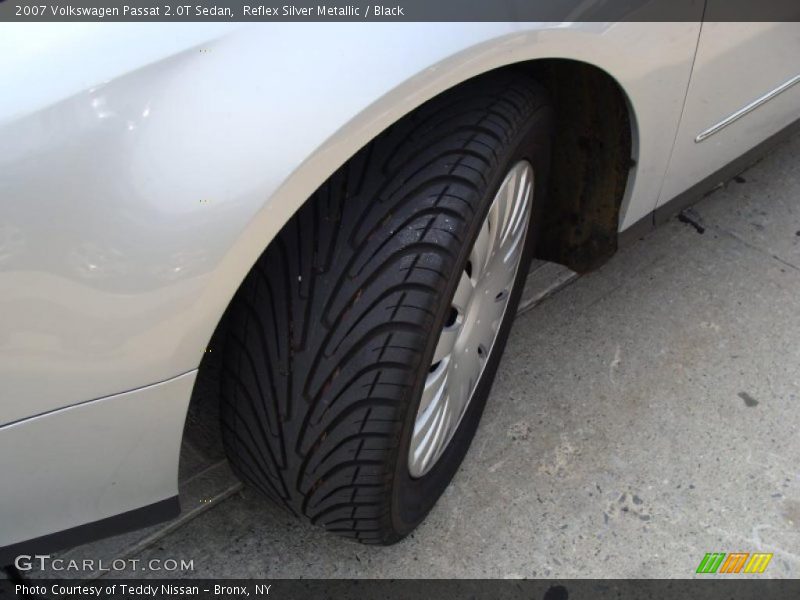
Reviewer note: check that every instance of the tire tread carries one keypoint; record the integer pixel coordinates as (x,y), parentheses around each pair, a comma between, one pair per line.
(326,333)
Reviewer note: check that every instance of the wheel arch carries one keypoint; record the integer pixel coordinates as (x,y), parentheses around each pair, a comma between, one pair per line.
(594,113)
(581,220)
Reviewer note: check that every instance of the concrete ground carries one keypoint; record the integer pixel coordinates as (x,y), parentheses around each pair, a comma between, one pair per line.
(644,415)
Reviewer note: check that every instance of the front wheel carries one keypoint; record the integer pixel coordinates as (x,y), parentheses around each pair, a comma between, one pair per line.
(362,346)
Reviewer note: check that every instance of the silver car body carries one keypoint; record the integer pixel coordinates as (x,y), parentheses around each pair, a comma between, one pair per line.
(145,167)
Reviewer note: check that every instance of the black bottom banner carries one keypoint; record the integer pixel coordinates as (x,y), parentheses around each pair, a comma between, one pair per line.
(406,589)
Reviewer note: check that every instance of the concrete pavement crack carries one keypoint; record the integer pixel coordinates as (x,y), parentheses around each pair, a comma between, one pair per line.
(752,246)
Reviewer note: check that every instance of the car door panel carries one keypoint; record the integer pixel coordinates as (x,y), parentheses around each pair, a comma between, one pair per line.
(741,92)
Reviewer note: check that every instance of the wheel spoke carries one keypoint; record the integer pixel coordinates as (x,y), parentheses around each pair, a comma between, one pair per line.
(495,218)
(500,275)
(520,195)
(464,368)
(480,251)
(463,293)
(432,418)
(446,341)
(490,320)
(429,436)
(435,386)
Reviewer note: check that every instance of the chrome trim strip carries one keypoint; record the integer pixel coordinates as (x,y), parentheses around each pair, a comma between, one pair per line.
(747,109)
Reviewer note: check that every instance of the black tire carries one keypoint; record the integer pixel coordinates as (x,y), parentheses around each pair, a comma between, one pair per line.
(330,336)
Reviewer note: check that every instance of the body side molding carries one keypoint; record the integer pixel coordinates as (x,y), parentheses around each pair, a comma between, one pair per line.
(747,109)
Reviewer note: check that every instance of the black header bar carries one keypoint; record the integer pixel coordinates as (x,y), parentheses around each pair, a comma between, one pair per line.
(399,10)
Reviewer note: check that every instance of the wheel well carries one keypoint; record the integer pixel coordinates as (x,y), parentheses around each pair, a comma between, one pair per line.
(592,156)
